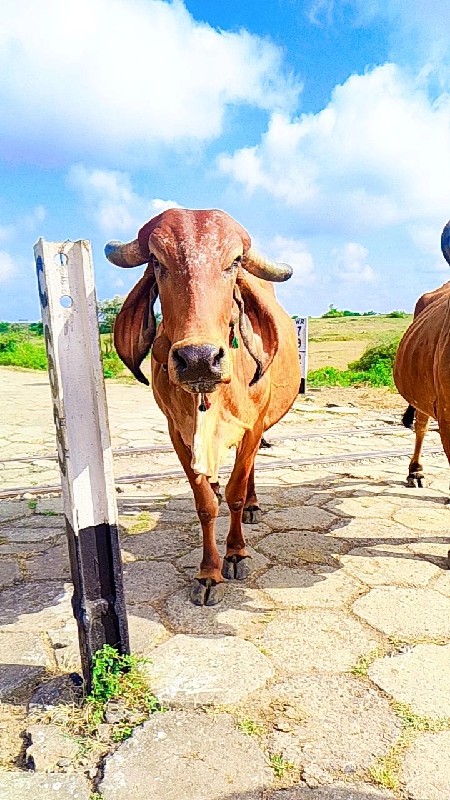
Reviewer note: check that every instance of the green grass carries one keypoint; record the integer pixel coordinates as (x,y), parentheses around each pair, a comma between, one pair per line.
(118,677)
(26,349)
(250,727)
(279,765)
(374,368)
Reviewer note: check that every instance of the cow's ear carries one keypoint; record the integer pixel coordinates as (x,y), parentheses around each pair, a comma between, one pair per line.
(257,324)
(135,325)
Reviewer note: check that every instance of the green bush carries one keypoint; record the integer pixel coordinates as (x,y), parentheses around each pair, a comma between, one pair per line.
(383,352)
(112,365)
(27,350)
(18,351)
(397,315)
(374,368)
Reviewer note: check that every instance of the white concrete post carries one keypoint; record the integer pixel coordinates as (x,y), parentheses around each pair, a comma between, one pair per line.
(301,323)
(69,315)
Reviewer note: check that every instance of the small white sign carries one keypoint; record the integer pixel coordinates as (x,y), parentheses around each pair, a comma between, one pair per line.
(301,324)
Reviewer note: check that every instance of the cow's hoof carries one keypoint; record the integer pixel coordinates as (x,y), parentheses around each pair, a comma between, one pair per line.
(252,515)
(206,592)
(415,479)
(236,568)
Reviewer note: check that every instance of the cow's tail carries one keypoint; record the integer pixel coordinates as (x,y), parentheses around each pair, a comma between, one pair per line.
(408,417)
(445,242)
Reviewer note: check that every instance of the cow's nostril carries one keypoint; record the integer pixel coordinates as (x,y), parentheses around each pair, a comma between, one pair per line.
(179,360)
(217,357)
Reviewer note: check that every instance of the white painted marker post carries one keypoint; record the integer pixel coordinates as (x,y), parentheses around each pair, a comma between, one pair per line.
(69,314)
(301,323)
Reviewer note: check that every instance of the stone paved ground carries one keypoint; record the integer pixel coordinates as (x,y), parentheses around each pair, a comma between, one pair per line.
(324,676)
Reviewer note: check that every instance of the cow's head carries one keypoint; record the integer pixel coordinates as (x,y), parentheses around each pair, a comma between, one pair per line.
(198,263)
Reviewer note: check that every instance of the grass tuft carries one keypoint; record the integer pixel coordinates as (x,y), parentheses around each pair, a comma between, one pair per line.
(280,765)
(250,727)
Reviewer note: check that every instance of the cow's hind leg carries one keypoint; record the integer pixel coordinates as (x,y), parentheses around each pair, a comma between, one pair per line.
(235,563)
(252,510)
(208,587)
(415,473)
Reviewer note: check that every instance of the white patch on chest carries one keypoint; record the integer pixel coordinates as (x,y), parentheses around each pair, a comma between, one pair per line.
(206,450)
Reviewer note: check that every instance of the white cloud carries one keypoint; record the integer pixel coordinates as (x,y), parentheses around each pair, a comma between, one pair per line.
(8,267)
(377,155)
(295,253)
(112,77)
(111,200)
(351,264)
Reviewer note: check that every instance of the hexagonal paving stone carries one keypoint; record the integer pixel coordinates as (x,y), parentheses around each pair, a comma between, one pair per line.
(242,611)
(13,509)
(386,564)
(157,544)
(301,518)
(406,613)
(418,677)
(30,786)
(189,755)
(35,606)
(425,773)
(23,659)
(146,629)
(346,725)
(338,791)
(149,581)
(9,573)
(369,531)
(425,518)
(50,566)
(293,546)
(322,640)
(321,587)
(197,670)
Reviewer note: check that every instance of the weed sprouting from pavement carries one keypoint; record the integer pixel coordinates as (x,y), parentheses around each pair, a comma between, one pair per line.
(250,727)
(280,765)
(119,678)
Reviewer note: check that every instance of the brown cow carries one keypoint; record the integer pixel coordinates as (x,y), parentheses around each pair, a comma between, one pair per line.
(224,362)
(421,368)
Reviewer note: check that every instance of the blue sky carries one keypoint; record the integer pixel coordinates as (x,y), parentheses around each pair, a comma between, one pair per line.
(322,126)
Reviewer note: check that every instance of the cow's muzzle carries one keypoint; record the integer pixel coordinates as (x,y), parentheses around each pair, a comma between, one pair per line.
(199,367)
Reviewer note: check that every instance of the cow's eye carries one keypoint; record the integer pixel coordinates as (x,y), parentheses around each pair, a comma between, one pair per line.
(233,266)
(158,267)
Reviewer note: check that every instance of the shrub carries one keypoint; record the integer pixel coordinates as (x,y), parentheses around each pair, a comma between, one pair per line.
(381,352)
(374,368)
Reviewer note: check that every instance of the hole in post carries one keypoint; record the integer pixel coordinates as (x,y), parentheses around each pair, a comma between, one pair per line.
(66,301)
(61,259)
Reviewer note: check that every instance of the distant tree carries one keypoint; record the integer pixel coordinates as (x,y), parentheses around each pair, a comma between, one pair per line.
(332,312)
(107,311)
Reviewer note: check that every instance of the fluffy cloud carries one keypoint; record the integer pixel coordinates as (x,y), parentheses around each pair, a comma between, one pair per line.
(377,155)
(111,200)
(351,264)
(115,77)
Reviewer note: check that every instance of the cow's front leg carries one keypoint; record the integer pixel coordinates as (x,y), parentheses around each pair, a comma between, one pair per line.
(235,563)
(208,587)
(252,510)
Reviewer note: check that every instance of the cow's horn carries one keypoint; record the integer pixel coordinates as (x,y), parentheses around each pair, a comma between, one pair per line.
(125,255)
(255,263)
(445,242)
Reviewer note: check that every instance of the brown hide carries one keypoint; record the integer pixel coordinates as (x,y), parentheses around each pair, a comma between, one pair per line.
(422,363)
(202,264)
